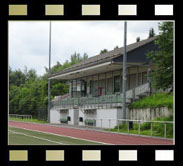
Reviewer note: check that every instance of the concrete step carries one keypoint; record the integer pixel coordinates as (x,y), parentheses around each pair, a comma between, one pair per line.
(142,94)
(136,98)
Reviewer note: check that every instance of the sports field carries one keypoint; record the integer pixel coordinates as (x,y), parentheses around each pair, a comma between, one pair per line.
(18,136)
(27,133)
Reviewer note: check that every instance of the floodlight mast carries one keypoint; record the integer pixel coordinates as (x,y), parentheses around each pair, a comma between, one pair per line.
(124,73)
(49,73)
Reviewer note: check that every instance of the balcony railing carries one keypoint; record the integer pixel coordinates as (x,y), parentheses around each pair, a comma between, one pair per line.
(114,100)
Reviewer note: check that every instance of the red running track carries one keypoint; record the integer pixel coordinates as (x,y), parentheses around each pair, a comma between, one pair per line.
(92,135)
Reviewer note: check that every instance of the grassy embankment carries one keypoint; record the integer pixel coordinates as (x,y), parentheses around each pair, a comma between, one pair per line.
(158,129)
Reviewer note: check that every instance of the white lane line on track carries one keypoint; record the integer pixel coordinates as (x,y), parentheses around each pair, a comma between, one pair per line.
(101,131)
(63,135)
(19,133)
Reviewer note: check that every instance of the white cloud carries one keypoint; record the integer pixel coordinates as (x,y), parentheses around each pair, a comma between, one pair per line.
(29,40)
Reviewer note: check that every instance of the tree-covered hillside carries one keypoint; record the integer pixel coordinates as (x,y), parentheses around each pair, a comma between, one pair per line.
(28,92)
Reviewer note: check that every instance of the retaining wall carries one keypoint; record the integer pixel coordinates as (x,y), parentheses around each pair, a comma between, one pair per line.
(149,113)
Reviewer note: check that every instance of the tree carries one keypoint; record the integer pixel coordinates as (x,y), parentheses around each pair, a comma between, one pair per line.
(16,77)
(59,89)
(162,75)
(85,56)
(103,51)
(75,58)
(137,39)
(29,92)
(151,33)
(13,99)
(31,75)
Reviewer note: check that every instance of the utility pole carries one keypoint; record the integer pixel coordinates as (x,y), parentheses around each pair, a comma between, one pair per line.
(49,73)
(124,74)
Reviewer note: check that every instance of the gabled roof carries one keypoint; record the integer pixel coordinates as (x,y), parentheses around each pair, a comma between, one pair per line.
(105,57)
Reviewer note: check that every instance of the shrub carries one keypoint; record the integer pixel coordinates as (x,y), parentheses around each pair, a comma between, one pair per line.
(158,128)
(145,126)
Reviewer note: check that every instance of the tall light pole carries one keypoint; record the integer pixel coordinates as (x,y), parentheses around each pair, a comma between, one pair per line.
(49,72)
(124,73)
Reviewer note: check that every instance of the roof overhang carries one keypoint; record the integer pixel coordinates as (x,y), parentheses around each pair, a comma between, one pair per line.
(92,70)
(82,72)
(109,61)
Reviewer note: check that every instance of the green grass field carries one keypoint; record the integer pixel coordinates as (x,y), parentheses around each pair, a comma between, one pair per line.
(34,120)
(19,136)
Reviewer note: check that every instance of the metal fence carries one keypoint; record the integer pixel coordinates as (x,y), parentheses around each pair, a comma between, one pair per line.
(42,114)
(18,117)
(109,124)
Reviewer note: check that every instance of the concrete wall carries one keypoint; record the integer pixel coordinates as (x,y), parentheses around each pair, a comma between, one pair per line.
(55,116)
(102,117)
(107,114)
(71,114)
(149,113)
(104,114)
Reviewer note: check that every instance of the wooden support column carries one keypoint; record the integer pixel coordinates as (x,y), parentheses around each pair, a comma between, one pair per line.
(86,86)
(92,88)
(137,76)
(105,84)
(112,82)
(76,88)
(71,88)
(98,86)
(148,78)
(120,81)
(148,71)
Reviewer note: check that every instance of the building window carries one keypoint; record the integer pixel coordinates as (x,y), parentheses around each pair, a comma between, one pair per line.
(91,86)
(109,86)
(144,77)
(101,87)
(132,81)
(139,79)
(116,84)
(78,88)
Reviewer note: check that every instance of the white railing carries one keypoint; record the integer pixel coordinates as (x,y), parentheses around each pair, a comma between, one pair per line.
(105,100)
(129,94)
(56,98)
(142,89)
(106,123)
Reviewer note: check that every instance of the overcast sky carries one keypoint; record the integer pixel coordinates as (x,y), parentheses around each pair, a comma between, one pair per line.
(29,40)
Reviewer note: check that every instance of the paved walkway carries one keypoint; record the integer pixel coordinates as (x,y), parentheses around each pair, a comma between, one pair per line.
(93,135)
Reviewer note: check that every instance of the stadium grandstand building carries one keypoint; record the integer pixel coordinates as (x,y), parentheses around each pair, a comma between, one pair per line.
(96,86)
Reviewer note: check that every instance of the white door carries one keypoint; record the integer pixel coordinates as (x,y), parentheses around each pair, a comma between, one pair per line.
(76,117)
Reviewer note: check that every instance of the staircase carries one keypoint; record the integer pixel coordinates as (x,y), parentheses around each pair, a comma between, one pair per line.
(137,93)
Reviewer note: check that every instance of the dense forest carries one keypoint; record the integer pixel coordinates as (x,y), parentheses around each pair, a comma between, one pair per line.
(28,92)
